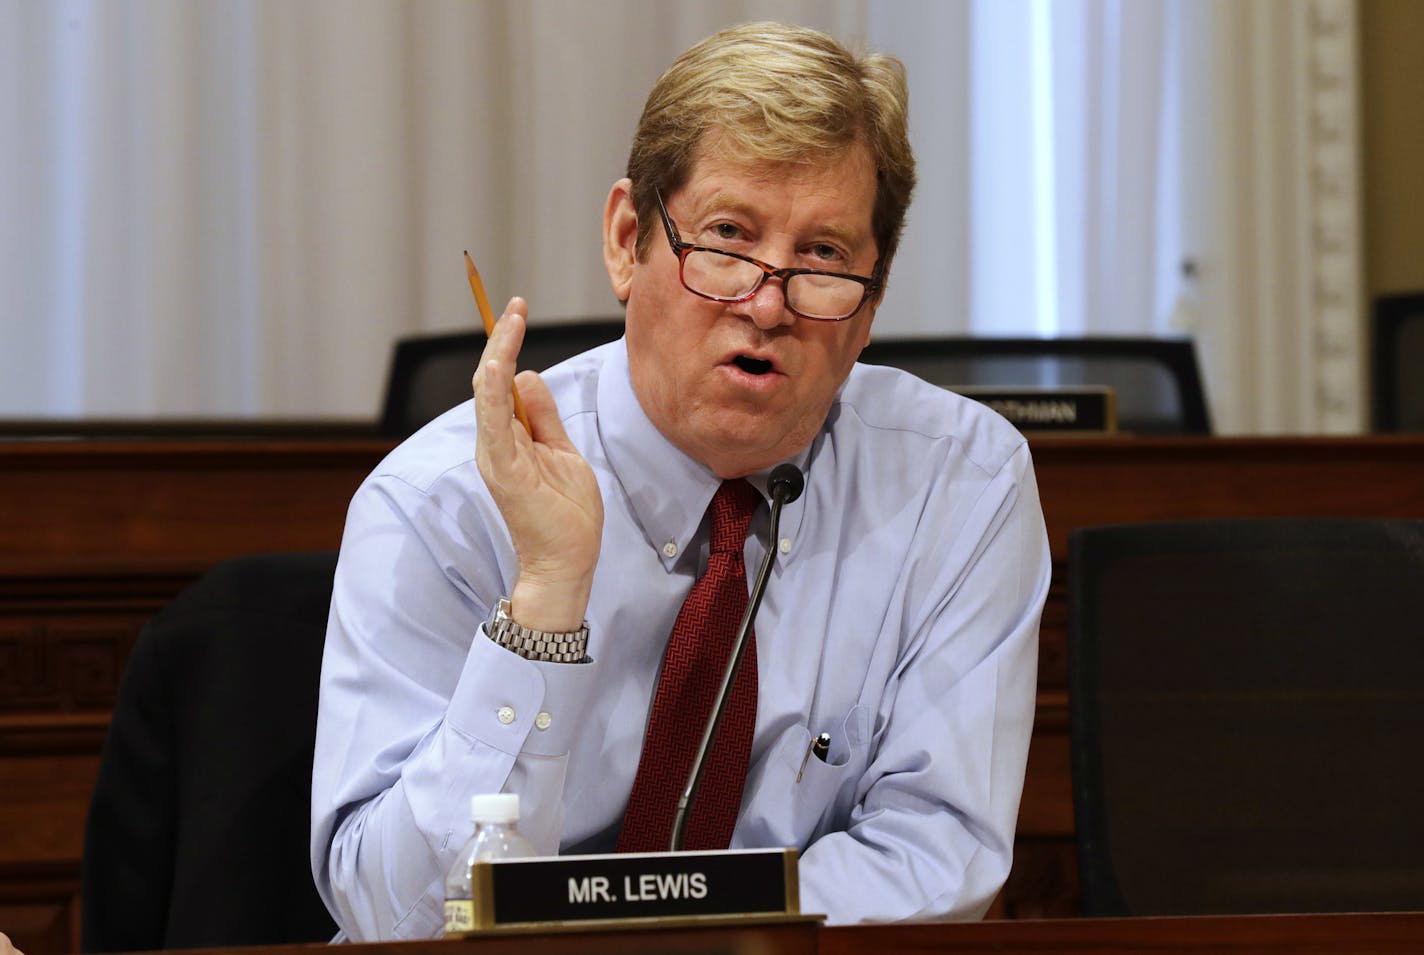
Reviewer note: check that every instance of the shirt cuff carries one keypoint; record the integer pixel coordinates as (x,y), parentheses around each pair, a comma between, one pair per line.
(516,705)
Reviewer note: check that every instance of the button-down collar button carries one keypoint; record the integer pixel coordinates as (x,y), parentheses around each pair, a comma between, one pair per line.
(543,720)
(670,549)
(505,715)
(785,545)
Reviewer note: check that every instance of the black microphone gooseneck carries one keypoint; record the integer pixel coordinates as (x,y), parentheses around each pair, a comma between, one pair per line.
(784,485)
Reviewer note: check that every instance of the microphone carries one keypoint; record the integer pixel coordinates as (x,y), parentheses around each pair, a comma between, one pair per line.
(785,485)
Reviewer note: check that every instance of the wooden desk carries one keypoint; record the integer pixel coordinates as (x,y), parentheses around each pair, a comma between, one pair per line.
(1209,935)
(1346,934)
(96,535)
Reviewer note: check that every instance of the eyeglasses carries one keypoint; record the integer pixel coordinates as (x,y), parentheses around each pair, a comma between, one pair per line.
(730,277)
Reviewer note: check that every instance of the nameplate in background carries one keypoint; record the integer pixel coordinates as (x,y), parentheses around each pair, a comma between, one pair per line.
(619,887)
(1081,409)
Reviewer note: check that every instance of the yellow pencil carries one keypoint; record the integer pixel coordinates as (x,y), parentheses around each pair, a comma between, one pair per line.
(487,316)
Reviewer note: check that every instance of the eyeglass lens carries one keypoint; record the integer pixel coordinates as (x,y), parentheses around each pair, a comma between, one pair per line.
(721,276)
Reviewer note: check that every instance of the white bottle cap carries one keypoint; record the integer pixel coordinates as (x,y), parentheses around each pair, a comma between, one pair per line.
(495,807)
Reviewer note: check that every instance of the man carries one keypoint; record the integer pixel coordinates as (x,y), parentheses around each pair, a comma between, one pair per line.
(900,620)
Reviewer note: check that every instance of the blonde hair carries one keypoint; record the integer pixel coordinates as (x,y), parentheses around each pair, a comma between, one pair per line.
(773,93)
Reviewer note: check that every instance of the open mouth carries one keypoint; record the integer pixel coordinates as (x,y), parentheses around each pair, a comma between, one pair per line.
(752,366)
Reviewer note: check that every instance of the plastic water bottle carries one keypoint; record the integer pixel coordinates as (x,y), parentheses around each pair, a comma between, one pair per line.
(496,837)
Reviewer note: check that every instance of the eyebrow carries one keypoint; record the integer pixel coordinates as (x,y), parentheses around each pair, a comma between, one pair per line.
(726,202)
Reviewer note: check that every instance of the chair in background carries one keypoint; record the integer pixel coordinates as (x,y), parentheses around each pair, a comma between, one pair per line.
(1157,382)
(430,374)
(198,832)
(1246,702)
(1398,365)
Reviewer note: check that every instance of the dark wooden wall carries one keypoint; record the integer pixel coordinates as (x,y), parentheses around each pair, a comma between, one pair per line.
(96,535)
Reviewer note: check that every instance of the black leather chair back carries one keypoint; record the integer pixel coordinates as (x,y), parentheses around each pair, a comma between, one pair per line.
(430,374)
(1246,701)
(1156,380)
(1398,364)
(198,832)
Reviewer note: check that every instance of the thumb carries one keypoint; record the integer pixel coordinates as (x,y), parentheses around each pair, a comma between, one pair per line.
(545,425)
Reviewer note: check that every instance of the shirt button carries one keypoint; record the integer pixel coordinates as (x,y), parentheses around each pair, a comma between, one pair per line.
(505,715)
(543,720)
(670,549)
(785,545)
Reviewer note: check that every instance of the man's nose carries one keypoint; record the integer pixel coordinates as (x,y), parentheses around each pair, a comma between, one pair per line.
(767,308)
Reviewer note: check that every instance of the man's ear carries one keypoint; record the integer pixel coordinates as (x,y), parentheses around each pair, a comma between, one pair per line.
(620,237)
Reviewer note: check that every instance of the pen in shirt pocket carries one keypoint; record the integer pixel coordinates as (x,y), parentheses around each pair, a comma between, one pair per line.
(819,746)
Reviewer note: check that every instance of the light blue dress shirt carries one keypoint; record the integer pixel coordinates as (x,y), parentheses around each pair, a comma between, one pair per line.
(901,618)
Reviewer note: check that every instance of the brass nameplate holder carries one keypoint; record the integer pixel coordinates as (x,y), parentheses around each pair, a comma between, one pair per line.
(634,889)
(1084,409)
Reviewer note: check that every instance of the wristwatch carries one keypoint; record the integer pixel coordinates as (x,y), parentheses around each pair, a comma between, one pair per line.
(567,647)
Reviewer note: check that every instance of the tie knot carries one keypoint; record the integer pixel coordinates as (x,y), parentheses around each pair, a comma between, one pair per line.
(732,508)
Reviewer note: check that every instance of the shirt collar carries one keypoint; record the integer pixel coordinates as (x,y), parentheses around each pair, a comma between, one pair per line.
(668,491)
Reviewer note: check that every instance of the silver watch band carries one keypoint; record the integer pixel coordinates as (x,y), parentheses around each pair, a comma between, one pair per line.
(542,645)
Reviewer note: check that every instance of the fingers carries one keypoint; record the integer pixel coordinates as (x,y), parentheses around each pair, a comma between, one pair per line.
(545,491)
(508,335)
(494,377)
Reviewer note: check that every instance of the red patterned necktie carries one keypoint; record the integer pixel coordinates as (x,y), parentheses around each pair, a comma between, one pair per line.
(696,658)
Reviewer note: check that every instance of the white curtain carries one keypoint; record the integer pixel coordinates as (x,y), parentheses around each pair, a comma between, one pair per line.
(1269,174)
(233,207)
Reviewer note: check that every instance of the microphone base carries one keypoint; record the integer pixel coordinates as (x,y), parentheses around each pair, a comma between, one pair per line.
(635,890)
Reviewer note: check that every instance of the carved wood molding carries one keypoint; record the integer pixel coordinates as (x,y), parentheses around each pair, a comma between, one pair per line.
(65,638)
(1333,185)
(63,664)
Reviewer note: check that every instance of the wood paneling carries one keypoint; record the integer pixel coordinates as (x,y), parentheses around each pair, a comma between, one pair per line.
(39,907)
(94,538)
